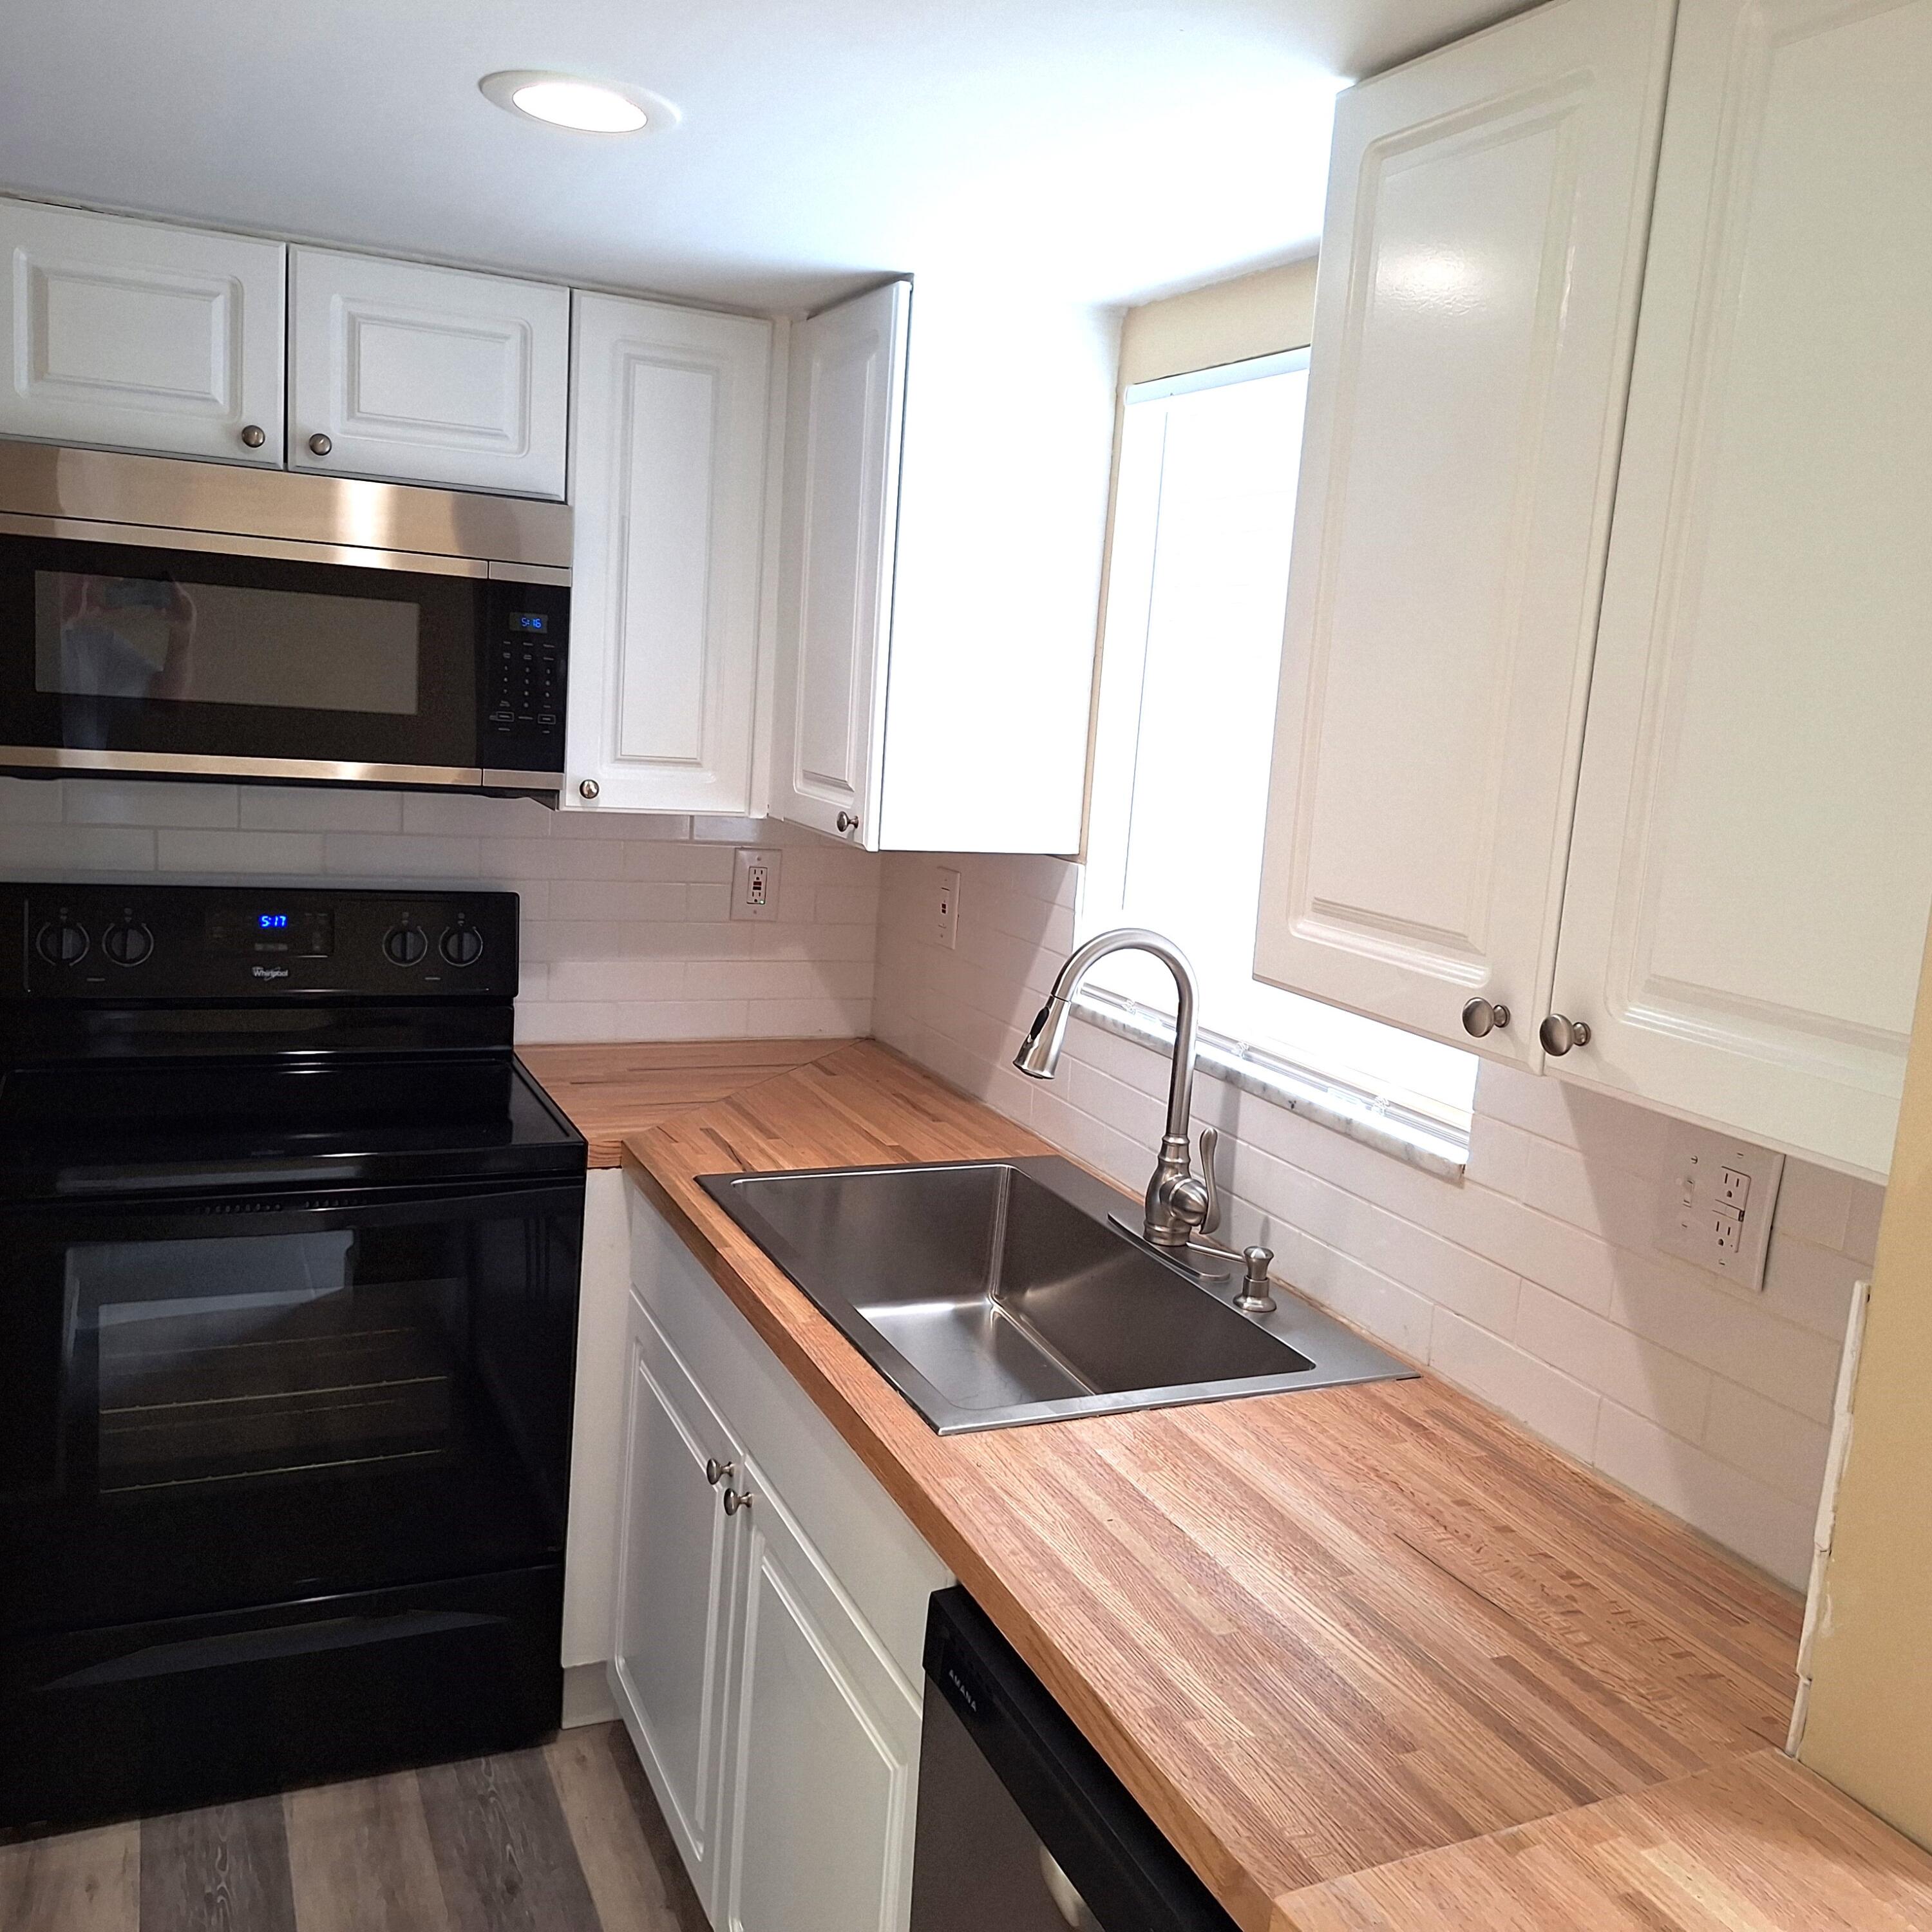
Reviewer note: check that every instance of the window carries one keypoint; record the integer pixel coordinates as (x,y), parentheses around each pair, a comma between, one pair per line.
(1197,587)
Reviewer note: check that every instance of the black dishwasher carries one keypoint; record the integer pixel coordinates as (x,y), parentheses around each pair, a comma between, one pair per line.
(1021,1825)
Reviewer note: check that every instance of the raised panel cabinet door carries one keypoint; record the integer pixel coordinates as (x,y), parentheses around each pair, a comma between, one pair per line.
(1482,256)
(135,335)
(669,432)
(1752,862)
(820,1785)
(845,406)
(678,1568)
(425,375)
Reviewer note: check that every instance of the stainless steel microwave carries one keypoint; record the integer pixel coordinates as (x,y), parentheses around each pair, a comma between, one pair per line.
(169,618)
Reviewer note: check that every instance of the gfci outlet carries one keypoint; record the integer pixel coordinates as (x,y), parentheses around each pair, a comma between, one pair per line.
(754,883)
(946,928)
(1718,1198)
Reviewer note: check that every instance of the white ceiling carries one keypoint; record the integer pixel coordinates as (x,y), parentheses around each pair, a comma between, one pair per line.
(1100,150)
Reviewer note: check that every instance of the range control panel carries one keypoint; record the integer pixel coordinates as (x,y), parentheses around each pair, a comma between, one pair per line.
(153,942)
(526,666)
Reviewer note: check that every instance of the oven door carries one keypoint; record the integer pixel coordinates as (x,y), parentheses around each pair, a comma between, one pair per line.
(126,656)
(226,1403)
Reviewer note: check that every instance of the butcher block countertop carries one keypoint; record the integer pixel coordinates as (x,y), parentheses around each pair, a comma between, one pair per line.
(613,1090)
(1343,1646)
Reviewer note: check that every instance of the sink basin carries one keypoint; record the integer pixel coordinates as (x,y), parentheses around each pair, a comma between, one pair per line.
(993,1293)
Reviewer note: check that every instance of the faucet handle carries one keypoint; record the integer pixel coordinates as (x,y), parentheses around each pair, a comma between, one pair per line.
(1210,1144)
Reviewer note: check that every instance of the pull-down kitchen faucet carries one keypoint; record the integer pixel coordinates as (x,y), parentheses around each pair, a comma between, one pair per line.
(1182,1207)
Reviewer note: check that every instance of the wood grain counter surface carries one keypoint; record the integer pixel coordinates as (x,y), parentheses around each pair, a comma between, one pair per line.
(612,1090)
(1756,1844)
(1316,1634)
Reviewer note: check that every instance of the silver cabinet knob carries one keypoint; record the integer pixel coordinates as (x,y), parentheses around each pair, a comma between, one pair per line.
(320,444)
(589,788)
(1559,1034)
(715,1472)
(846,823)
(253,435)
(1482,1017)
(734,1501)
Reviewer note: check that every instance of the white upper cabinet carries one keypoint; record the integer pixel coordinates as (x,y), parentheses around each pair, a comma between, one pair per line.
(945,493)
(845,404)
(1752,858)
(1482,257)
(669,430)
(139,336)
(424,375)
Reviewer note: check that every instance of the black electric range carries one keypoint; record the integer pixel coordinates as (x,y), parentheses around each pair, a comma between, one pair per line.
(288,1256)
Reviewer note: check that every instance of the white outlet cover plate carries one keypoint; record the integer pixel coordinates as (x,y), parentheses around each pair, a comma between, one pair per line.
(1717,1200)
(749,865)
(945,908)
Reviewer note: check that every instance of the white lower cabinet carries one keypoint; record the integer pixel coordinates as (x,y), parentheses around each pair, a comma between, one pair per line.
(824,1750)
(678,1562)
(767,1618)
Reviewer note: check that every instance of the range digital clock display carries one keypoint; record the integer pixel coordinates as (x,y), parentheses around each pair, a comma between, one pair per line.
(271,922)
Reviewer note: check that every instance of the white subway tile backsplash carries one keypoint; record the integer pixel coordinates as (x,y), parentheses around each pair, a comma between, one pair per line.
(368,856)
(1867,1203)
(1558,1407)
(107,801)
(44,851)
(634,981)
(685,1019)
(601,899)
(318,808)
(689,865)
(30,802)
(808,1018)
(1760,1523)
(1534,1282)
(1766,1441)
(710,829)
(1672,1391)
(454,813)
(1815,1204)
(625,918)
(269,854)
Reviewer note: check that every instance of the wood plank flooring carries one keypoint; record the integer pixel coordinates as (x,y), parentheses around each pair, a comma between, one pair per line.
(565,1838)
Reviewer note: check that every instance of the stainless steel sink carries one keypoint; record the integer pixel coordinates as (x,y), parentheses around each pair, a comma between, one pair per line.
(991,1293)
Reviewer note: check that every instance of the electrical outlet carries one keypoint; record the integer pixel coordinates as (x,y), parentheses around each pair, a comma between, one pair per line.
(1717,1202)
(754,883)
(946,928)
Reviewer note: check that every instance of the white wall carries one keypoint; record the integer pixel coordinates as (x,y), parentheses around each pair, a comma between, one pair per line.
(626,932)
(1533,1283)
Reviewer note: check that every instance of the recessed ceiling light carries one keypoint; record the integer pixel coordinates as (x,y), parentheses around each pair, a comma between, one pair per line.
(567,101)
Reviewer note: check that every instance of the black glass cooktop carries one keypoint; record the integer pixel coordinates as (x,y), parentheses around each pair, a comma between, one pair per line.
(158,1126)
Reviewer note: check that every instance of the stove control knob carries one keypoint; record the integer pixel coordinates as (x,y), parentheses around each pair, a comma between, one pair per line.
(128,944)
(462,945)
(404,945)
(62,943)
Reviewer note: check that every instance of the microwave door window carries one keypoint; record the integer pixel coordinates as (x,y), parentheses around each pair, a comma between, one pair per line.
(161,641)
(110,647)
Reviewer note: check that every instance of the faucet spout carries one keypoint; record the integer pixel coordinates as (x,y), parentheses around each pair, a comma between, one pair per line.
(1176,1200)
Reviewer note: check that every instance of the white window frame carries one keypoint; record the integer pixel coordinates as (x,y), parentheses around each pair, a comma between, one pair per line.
(1416,1128)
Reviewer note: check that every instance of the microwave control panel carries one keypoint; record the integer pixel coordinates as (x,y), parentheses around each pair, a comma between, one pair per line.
(526,649)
